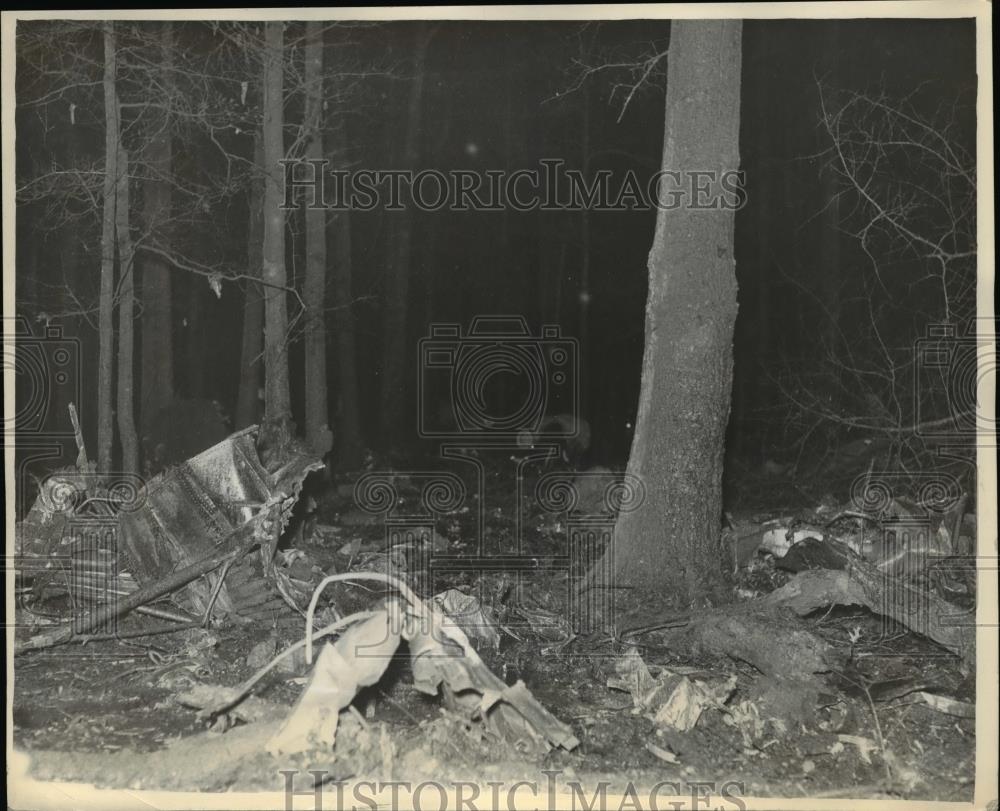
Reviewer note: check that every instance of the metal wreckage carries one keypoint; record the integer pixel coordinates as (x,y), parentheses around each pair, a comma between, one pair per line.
(198,546)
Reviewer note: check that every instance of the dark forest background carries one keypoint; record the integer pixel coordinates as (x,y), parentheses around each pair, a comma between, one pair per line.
(824,313)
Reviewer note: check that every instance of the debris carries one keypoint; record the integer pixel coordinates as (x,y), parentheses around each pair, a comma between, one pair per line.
(779,540)
(663,754)
(865,746)
(471,616)
(672,700)
(262,653)
(204,515)
(357,659)
(191,508)
(633,677)
(678,702)
(443,657)
(947,705)
(745,716)
(916,608)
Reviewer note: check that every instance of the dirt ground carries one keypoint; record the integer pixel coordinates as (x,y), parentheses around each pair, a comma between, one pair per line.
(107,713)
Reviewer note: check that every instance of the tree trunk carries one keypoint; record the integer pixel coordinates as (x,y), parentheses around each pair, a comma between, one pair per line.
(248,396)
(277,400)
(157,285)
(126,323)
(672,541)
(106,361)
(396,353)
(349,445)
(319,438)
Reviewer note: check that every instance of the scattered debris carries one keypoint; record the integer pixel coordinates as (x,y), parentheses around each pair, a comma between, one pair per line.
(947,705)
(469,614)
(671,700)
(918,609)
(357,659)
(204,515)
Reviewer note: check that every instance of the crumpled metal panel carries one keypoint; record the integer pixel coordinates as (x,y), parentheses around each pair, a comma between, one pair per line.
(232,474)
(190,509)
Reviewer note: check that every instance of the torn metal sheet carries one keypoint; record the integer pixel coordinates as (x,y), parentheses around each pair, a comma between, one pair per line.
(190,509)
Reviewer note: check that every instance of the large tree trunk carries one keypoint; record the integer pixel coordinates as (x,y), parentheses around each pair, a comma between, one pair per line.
(395,352)
(349,445)
(672,542)
(277,400)
(248,396)
(319,438)
(157,287)
(126,324)
(106,361)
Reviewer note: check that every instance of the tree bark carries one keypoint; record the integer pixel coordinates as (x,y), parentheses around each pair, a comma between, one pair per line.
(277,400)
(349,445)
(126,323)
(319,438)
(105,415)
(248,396)
(157,285)
(672,542)
(395,354)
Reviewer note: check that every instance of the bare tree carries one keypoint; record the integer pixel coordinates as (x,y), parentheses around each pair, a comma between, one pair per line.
(126,323)
(904,189)
(319,438)
(157,285)
(672,543)
(277,399)
(395,354)
(112,146)
(349,444)
(252,344)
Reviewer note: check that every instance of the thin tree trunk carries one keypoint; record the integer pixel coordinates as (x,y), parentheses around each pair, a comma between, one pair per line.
(277,400)
(105,415)
(672,541)
(126,324)
(349,445)
(248,396)
(157,285)
(396,354)
(194,338)
(319,438)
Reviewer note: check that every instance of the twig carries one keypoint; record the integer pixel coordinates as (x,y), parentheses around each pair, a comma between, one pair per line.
(156,630)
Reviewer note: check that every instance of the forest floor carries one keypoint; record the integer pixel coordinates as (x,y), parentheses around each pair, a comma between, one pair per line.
(106,713)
